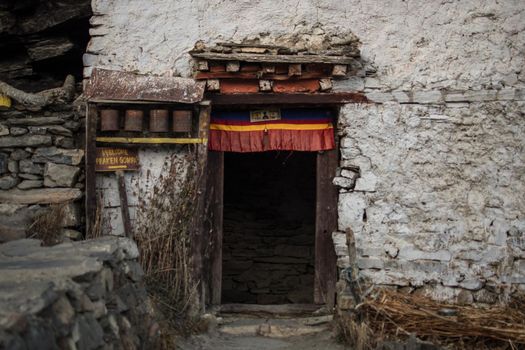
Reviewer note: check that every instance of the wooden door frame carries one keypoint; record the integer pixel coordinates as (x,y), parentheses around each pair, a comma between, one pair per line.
(325,276)
(215,196)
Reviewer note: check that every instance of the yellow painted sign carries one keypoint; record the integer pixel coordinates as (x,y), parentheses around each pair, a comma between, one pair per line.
(113,159)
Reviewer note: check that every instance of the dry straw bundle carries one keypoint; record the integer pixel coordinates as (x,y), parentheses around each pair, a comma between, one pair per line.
(392,313)
(47,225)
(162,232)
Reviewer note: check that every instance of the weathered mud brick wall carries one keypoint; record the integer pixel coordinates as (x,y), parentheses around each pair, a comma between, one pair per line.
(41,163)
(432,169)
(81,295)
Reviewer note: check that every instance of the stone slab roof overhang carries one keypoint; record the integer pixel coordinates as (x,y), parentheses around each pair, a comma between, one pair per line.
(109,85)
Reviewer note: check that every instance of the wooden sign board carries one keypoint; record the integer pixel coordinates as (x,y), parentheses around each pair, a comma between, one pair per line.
(114,159)
(264,115)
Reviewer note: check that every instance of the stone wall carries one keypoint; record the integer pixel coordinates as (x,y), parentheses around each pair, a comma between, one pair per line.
(434,196)
(41,163)
(42,41)
(445,44)
(82,295)
(432,169)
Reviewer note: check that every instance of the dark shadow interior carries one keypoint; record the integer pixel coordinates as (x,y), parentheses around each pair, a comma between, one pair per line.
(269,227)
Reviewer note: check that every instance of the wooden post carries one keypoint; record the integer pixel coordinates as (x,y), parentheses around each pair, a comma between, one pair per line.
(215,212)
(124,208)
(325,223)
(198,235)
(91,194)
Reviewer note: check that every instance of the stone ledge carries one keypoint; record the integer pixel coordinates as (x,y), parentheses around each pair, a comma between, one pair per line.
(40,196)
(442,96)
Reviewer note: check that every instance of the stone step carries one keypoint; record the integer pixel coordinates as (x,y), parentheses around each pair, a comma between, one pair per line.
(285,310)
(275,328)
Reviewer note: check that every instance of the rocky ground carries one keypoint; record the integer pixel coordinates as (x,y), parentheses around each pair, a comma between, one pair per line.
(81,295)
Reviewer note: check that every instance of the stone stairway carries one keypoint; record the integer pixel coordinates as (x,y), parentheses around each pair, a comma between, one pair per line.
(274,327)
(284,329)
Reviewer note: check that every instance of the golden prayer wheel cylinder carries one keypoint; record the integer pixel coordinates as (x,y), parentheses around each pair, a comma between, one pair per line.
(181,121)
(158,120)
(109,120)
(133,120)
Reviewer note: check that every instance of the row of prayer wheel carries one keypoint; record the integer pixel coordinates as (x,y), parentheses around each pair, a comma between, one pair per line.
(159,120)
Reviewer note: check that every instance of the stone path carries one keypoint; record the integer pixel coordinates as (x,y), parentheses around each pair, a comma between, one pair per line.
(240,333)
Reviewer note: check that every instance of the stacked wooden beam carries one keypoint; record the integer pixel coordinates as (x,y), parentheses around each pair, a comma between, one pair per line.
(242,68)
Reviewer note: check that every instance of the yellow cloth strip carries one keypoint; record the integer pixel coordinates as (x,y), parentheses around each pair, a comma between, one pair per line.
(5,101)
(262,127)
(156,140)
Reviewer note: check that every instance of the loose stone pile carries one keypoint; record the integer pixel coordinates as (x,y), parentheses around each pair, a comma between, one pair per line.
(40,164)
(81,295)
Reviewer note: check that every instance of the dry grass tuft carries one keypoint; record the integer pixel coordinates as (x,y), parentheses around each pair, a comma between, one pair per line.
(47,226)
(397,315)
(357,334)
(162,232)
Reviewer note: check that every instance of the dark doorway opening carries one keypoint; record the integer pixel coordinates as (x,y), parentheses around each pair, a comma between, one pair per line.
(269,227)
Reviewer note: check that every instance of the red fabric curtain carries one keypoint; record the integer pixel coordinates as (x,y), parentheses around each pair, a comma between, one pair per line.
(295,130)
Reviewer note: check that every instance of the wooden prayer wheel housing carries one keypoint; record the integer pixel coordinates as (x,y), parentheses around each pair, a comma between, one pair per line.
(158,120)
(182,121)
(133,120)
(109,120)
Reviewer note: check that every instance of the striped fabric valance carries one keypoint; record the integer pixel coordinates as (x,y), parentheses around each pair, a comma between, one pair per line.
(271,130)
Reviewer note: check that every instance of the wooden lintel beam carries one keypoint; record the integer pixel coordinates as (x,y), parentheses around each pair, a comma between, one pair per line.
(277,98)
(257,75)
(264,58)
(152,140)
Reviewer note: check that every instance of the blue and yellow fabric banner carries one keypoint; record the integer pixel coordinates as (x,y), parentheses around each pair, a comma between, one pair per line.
(271,130)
